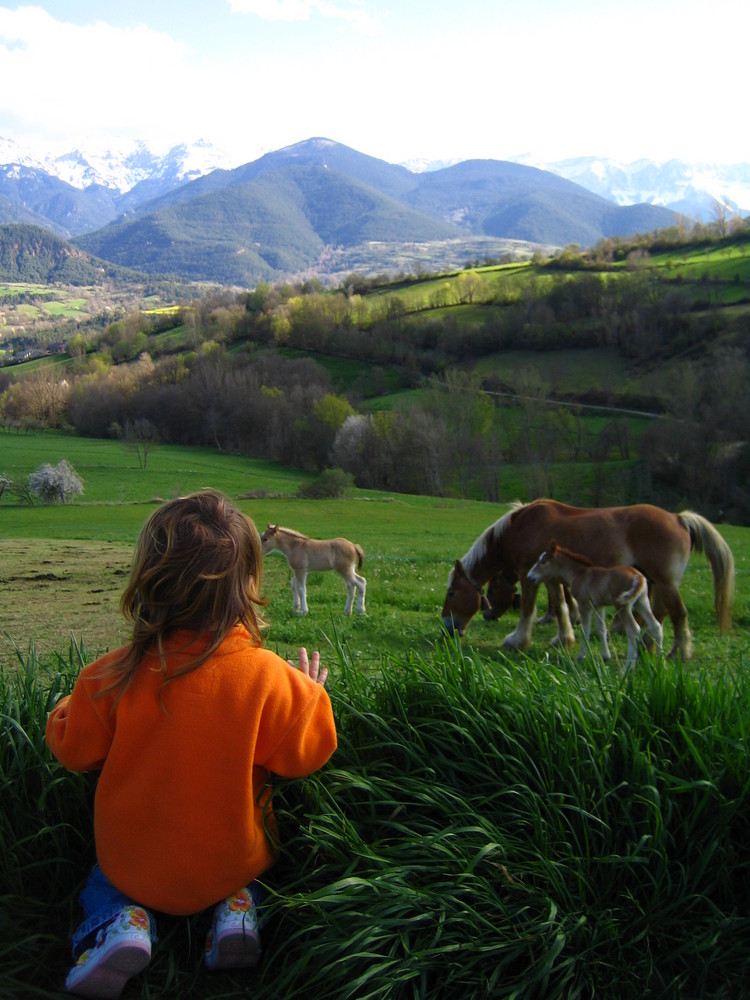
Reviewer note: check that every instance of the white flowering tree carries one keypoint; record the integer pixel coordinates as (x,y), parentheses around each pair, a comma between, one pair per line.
(55,482)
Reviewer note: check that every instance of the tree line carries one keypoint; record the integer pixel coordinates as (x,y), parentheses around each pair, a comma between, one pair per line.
(456,438)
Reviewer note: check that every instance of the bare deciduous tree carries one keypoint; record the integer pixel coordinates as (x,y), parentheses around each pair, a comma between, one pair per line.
(15,489)
(140,435)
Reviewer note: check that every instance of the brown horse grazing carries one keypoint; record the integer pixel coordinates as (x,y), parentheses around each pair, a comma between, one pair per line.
(595,588)
(306,555)
(657,542)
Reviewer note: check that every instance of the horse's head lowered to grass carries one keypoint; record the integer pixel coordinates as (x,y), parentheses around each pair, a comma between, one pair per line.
(463,599)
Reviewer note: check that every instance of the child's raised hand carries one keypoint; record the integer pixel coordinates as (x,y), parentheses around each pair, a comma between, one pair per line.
(311,667)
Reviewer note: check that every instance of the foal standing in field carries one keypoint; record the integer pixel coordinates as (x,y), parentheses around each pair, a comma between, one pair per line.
(595,587)
(306,555)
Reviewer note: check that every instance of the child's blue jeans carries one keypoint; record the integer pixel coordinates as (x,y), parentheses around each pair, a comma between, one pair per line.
(101,901)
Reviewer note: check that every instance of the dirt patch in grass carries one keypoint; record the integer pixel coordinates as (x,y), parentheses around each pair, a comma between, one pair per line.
(51,591)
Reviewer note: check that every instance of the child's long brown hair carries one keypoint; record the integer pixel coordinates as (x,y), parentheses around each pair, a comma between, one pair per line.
(197,567)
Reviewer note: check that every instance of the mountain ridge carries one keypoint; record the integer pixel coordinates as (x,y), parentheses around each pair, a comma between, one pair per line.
(273,218)
(133,173)
(293,210)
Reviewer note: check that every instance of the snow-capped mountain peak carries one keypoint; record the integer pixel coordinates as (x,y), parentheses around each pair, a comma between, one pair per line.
(11,152)
(697,190)
(120,165)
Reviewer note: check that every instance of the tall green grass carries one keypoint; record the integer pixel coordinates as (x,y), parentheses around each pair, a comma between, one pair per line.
(488,827)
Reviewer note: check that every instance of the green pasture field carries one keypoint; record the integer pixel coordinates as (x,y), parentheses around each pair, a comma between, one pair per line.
(724,270)
(63,567)
(416,296)
(167,340)
(64,310)
(50,303)
(720,274)
(111,472)
(342,371)
(49,361)
(726,262)
(14,289)
(574,370)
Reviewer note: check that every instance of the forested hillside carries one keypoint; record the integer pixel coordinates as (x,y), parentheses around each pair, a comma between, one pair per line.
(610,376)
(275,226)
(31,253)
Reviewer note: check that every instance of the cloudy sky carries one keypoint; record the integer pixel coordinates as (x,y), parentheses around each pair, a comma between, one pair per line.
(403,80)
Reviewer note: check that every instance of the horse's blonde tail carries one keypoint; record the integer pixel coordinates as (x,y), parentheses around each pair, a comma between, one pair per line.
(360,556)
(705,538)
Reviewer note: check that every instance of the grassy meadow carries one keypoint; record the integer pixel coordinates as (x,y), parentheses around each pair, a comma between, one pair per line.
(64,566)
(492,825)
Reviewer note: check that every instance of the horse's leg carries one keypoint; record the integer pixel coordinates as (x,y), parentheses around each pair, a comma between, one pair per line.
(361,584)
(354,585)
(549,614)
(565,635)
(666,601)
(301,575)
(633,631)
(573,609)
(601,630)
(618,622)
(295,595)
(587,611)
(653,627)
(520,637)
(350,588)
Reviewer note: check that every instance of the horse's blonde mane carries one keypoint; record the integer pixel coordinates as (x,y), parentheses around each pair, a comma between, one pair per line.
(478,550)
(290,531)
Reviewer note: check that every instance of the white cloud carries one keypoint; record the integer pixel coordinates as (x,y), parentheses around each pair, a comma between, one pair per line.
(66,79)
(352,12)
(540,77)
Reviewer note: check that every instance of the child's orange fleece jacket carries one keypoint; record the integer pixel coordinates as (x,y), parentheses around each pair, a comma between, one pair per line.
(179,805)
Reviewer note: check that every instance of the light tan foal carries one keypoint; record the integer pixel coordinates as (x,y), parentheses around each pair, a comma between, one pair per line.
(597,587)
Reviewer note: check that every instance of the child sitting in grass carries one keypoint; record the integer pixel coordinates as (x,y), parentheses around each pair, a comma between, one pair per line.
(185,724)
